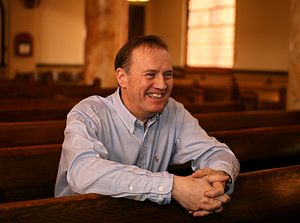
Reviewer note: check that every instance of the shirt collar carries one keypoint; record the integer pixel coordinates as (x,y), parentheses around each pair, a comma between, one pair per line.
(125,115)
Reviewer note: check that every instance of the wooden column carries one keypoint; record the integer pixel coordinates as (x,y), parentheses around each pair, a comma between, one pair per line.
(293,89)
(106,31)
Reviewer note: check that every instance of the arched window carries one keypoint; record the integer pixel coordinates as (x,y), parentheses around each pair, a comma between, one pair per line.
(210,35)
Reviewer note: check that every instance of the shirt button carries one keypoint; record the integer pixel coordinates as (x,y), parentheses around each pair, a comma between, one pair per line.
(161,188)
(156,158)
(130,187)
(160,197)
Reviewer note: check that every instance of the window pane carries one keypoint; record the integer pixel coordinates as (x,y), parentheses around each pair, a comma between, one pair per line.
(211,33)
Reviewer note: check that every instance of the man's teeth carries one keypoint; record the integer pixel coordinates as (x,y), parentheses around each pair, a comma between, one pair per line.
(153,95)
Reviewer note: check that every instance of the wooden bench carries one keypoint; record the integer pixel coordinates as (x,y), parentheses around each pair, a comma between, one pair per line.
(38,109)
(188,93)
(31,133)
(263,196)
(48,132)
(212,107)
(263,147)
(38,90)
(18,115)
(256,149)
(247,119)
(24,104)
(53,109)
(28,172)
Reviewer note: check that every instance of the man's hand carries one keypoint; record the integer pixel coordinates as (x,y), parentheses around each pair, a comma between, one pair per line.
(190,191)
(218,180)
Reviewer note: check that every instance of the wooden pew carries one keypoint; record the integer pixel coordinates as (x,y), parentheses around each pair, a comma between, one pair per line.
(212,107)
(247,119)
(263,196)
(48,132)
(24,104)
(28,172)
(57,109)
(31,133)
(187,93)
(256,149)
(18,115)
(38,90)
(263,147)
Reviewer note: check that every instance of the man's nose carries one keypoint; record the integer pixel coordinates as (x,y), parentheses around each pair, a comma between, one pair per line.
(160,82)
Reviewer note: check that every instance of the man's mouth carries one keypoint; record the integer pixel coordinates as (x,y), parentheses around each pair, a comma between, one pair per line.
(155,95)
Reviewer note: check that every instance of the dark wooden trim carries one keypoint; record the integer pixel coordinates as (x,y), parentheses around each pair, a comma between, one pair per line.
(267,72)
(41,65)
(212,70)
(207,70)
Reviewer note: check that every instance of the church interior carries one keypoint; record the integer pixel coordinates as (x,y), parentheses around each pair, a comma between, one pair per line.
(54,53)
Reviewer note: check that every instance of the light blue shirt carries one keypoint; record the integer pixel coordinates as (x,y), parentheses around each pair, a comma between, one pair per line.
(108,151)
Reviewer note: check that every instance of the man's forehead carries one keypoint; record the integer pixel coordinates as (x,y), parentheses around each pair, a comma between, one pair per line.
(147,49)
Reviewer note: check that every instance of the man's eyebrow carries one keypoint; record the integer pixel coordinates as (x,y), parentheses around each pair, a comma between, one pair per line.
(169,71)
(156,71)
(151,70)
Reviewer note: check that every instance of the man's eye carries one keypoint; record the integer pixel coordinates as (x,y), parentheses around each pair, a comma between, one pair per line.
(168,75)
(150,75)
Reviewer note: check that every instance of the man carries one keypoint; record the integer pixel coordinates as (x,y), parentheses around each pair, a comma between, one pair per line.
(121,145)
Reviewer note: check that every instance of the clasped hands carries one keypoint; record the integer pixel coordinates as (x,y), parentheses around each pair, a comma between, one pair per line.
(201,193)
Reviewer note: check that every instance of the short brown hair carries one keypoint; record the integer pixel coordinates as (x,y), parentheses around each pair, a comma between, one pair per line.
(123,56)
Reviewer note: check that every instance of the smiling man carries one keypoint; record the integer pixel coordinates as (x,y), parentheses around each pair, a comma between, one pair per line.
(122,145)
(146,80)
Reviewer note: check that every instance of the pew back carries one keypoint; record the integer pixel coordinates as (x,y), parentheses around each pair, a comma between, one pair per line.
(31,133)
(255,148)
(247,119)
(264,147)
(17,115)
(28,172)
(38,90)
(57,109)
(263,196)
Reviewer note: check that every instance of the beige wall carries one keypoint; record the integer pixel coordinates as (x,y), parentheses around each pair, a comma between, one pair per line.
(61,32)
(262,34)
(58,30)
(20,19)
(167,18)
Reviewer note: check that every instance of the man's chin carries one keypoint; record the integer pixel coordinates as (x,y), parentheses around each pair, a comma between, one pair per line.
(156,110)
(157,107)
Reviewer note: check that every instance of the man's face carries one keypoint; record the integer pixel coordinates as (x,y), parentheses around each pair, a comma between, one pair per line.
(149,82)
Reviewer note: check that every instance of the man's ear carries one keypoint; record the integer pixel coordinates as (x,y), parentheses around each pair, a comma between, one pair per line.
(121,77)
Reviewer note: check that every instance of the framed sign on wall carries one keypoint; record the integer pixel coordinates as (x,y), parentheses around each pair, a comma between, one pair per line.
(23,44)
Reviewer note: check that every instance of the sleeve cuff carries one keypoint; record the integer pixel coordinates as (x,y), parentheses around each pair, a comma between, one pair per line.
(161,188)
